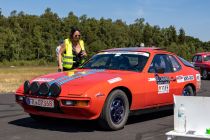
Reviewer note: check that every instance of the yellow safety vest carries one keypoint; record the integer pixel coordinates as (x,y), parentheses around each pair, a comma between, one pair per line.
(67,58)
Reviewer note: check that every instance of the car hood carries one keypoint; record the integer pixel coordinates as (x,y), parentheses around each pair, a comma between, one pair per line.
(78,81)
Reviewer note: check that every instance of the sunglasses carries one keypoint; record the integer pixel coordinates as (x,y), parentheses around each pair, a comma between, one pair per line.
(77,35)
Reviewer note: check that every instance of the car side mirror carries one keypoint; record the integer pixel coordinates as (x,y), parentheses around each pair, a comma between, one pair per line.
(160,70)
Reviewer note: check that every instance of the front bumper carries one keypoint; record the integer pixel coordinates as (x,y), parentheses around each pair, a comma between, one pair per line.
(88,112)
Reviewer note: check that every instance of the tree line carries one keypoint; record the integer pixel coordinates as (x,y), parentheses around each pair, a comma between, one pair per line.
(32,37)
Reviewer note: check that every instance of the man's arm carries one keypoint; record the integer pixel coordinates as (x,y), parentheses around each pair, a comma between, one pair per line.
(62,49)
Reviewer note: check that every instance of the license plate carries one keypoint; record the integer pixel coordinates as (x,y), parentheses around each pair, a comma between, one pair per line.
(40,102)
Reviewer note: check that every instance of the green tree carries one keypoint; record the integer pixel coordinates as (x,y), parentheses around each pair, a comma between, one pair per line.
(181,36)
(32,37)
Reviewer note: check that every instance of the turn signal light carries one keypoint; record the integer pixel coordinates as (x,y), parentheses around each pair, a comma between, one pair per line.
(75,102)
(82,103)
(19,98)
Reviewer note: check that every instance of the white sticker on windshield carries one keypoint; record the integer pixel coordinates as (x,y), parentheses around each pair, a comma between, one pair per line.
(144,54)
(120,53)
(117,54)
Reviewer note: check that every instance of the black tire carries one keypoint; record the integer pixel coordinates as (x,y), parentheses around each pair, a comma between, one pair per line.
(115,111)
(205,75)
(188,91)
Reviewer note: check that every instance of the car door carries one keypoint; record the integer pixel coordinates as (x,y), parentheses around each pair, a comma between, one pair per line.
(161,80)
(176,77)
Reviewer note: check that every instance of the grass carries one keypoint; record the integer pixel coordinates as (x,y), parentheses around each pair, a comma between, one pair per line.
(12,77)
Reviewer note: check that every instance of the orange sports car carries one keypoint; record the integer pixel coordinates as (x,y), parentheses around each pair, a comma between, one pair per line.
(110,86)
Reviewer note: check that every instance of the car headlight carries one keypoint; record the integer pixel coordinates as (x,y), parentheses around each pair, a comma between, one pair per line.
(44,89)
(55,89)
(26,87)
(34,88)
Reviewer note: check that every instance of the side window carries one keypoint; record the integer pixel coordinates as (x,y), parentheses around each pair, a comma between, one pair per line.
(199,58)
(175,64)
(195,58)
(160,61)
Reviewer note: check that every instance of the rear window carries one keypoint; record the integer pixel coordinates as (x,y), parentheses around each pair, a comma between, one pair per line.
(185,62)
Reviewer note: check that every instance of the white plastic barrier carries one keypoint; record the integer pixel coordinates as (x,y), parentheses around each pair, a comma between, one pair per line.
(197,118)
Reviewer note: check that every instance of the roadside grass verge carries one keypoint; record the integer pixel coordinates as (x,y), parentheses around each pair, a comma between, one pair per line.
(12,77)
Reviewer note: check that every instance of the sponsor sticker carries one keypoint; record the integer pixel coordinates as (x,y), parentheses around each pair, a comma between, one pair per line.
(99,94)
(162,80)
(114,80)
(163,84)
(188,78)
(151,79)
(180,79)
(163,88)
(198,77)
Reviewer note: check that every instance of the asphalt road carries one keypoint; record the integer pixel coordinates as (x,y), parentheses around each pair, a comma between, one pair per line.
(17,125)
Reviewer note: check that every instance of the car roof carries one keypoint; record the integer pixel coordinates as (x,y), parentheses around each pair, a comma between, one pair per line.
(138,49)
(203,53)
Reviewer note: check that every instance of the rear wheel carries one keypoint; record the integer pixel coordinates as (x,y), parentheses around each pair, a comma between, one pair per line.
(205,74)
(188,91)
(115,111)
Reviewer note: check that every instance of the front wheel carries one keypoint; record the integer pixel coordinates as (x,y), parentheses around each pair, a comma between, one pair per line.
(188,91)
(115,111)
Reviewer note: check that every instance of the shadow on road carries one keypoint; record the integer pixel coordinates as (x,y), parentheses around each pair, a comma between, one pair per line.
(62,125)
(149,116)
(65,125)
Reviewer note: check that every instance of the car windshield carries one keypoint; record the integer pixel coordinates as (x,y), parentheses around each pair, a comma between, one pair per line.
(206,58)
(130,61)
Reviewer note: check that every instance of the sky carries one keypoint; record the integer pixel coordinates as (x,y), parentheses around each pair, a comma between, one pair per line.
(191,15)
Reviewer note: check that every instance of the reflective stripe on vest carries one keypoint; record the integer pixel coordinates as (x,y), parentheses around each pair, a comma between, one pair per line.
(67,58)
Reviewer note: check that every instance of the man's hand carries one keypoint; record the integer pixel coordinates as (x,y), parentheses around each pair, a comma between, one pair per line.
(83,54)
(60,69)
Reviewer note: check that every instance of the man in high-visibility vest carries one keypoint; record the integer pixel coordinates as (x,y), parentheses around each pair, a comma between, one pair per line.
(73,51)
(58,49)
